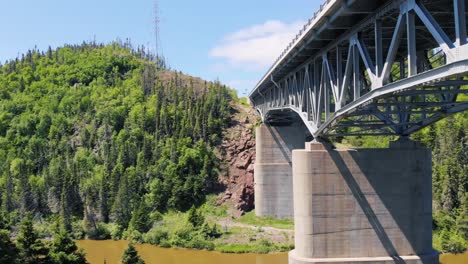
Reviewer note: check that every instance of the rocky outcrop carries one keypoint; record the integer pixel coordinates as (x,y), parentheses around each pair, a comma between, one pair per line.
(239,154)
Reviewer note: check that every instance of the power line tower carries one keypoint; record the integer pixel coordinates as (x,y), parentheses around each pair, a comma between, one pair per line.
(158,47)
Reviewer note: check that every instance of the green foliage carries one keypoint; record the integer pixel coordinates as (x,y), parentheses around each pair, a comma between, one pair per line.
(98,134)
(195,217)
(8,250)
(194,232)
(212,209)
(63,250)
(140,219)
(4,220)
(251,219)
(448,140)
(156,236)
(130,256)
(210,232)
(452,243)
(262,246)
(31,247)
(99,232)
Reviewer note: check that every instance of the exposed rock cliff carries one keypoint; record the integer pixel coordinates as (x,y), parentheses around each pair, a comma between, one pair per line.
(239,155)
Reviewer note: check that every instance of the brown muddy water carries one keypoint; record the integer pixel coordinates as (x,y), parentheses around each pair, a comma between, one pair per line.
(111,251)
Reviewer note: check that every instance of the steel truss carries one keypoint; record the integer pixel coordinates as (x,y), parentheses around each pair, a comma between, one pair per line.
(397,71)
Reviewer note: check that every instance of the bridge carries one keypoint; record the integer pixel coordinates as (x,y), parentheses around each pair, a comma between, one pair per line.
(359,68)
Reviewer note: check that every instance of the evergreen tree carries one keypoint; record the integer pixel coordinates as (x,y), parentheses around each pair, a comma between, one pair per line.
(8,250)
(195,217)
(121,208)
(64,250)
(140,218)
(7,200)
(130,256)
(30,246)
(4,220)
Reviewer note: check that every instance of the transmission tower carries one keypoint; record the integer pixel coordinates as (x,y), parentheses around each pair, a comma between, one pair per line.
(158,47)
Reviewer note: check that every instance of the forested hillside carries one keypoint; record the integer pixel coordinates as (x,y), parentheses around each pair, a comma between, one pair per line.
(90,133)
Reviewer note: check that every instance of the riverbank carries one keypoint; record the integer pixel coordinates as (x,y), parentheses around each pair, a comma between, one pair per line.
(219,231)
(210,227)
(247,234)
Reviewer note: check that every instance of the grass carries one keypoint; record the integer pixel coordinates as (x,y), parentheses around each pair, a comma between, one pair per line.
(251,219)
(211,210)
(237,230)
(262,246)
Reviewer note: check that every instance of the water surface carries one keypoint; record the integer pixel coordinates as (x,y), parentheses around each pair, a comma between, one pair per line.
(111,251)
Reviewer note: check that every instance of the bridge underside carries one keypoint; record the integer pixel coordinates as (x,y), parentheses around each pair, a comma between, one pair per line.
(398,111)
(371,68)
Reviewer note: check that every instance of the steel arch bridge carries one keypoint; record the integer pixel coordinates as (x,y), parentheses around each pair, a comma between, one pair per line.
(370,67)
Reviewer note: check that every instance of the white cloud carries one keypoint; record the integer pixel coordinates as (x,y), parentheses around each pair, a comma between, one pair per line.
(257,46)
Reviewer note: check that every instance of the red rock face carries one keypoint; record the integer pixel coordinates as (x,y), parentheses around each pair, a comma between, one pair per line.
(239,152)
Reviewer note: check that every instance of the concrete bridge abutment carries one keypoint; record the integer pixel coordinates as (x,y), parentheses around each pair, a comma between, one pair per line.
(363,206)
(273,169)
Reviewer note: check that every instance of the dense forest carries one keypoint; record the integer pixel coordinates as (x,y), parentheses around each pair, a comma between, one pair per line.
(98,141)
(448,140)
(88,133)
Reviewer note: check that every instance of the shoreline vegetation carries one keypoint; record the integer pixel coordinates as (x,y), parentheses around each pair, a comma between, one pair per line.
(207,228)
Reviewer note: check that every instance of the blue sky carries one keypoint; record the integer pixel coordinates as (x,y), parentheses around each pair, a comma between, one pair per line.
(233,41)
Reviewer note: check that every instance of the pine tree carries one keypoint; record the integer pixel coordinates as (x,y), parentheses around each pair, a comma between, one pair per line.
(130,256)
(30,246)
(121,208)
(64,250)
(8,250)
(195,217)
(7,198)
(140,220)
(18,171)
(4,221)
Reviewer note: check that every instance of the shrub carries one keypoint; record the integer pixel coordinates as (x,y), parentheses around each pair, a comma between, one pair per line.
(116,231)
(101,232)
(77,231)
(451,242)
(156,236)
(132,235)
(199,242)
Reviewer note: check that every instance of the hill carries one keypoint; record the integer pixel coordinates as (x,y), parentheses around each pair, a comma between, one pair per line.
(96,132)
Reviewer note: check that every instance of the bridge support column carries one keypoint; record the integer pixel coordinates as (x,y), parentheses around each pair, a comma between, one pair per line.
(273,172)
(363,206)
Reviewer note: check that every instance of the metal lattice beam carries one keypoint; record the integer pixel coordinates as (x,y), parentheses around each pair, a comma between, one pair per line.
(380,75)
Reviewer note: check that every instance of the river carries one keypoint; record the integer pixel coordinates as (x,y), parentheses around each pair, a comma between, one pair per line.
(111,251)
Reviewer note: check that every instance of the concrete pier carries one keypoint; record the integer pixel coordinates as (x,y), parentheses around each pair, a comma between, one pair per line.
(363,206)
(273,171)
